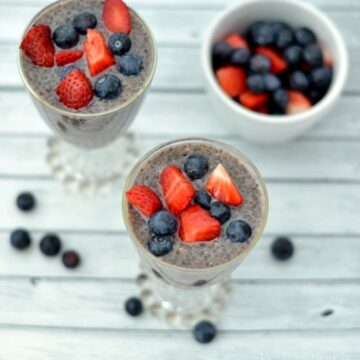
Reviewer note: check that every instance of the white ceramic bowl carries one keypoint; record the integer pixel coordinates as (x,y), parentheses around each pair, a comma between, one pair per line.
(266,129)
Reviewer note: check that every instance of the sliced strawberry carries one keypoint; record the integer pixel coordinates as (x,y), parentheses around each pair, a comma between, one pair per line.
(252,100)
(278,64)
(98,55)
(222,188)
(116,16)
(68,56)
(236,41)
(328,58)
(177,189)
(75,90)
(232,80)
(263,109)
(196,224)
(38,46)
(144,199)
(298,102)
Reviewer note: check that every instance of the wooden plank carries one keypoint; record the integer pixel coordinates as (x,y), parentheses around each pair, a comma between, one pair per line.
(112,255)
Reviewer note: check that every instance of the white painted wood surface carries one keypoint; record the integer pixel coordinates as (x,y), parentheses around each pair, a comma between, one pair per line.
(47,312)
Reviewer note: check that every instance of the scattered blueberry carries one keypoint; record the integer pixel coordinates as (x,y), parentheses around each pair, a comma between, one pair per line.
(133,306)
(298,81)
(260,64)
(84,21)
(280,99)
(203,199)
(196,166)
(313,55)
(25,201)
(238,231)
(222,52)
(20,239)
(71,259)
(50,245)
(284,38)
(271,82)
(321,77)
(107,87)
(64,70)
(304,36)
(65,36)
(293,55)
(261,33)
(204,332)
(240,57)
(220,211)
(160,246)
(256,83)
(162,223)
(282,248)
(119,43)
(129,64)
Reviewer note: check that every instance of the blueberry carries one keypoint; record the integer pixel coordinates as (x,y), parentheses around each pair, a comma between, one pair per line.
(240,57)
(256,83)
(71,259)
(279,26)
(280,98)
(260,64)
(25,201)
(320,78)
(65,36)
(261,33)
(84,21)
(203,199)
(119,43)
(222,52)
(271,82)
(196,166)
(315,95)
(133,306)
(64,70)
(304,36)
(293,55)
(129,64)
(20,239)
(284,38)
(238,231)
(220,211)
(204,332)
(298,81)
(50,245)
(163,223)
(107,87)
(313,55)
(282,248)
(160,246)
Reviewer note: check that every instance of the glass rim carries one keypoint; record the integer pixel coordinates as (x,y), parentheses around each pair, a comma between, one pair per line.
(68,113)
(132,175)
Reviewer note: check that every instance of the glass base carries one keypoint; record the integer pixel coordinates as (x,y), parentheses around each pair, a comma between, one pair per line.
(91,171)
(182,307)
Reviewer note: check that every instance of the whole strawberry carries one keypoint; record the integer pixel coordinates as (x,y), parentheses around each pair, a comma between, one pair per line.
(38,46)
(75,90)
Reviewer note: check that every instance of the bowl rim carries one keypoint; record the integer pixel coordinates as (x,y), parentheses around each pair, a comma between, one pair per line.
(278,120)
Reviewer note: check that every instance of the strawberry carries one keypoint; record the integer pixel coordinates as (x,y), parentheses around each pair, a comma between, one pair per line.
(75,90)
(298,102)
(236,41)
(38,46)
(253,101)
(177,189)
(263,109)
(222,188)
(196,224)
(68,56)
(116,16)
(232,80)
(144,199)
(328,58)
(98,55)
(278,64)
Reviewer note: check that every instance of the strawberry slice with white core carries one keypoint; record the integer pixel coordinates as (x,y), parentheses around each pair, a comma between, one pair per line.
(221,187)
(144,199)
(298,103)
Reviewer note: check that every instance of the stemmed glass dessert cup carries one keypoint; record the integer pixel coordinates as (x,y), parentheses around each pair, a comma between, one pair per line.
(180,295)
(91,151)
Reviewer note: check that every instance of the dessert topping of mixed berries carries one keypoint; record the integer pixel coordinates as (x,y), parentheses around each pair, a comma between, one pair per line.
(272,68)
(100,53)
(189,212)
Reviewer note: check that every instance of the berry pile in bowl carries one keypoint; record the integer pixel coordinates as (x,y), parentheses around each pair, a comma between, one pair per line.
(273,68)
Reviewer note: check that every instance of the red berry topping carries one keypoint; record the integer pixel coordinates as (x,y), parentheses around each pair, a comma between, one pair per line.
(278,64)
(298,102)
(253,101)
(38,46)
(116,16)
(236,41)
(196,224)
(177,189)
(232,80)
(222,188)
(75,90)
(144,199)
(98,55)
(68,56)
